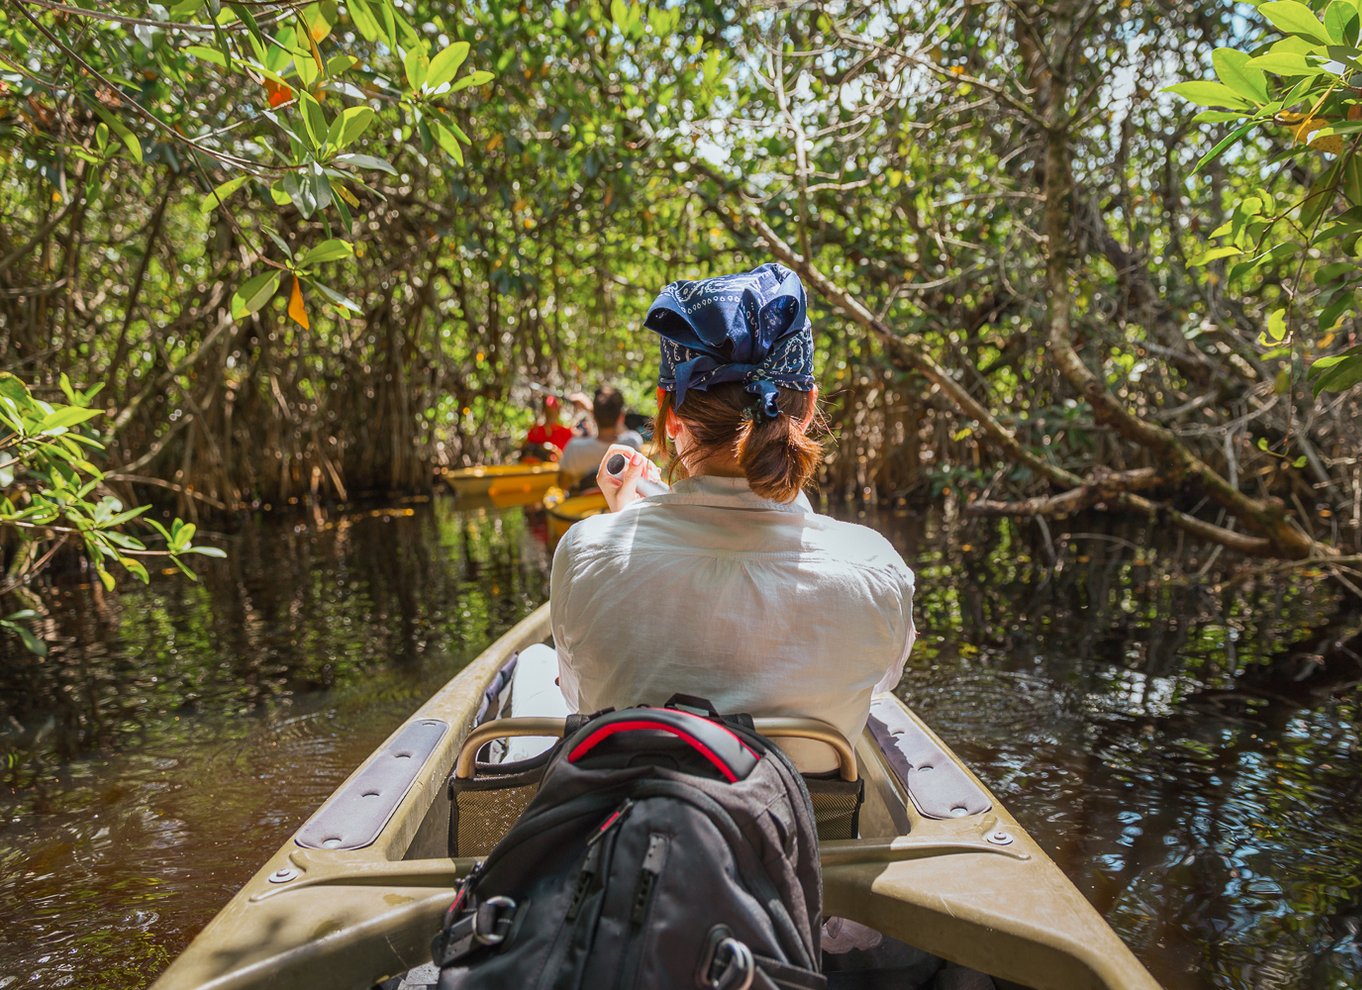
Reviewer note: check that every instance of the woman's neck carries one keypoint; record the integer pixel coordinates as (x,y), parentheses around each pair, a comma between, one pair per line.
(717,467)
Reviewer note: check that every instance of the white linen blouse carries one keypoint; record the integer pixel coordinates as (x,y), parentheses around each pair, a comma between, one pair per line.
(762,607)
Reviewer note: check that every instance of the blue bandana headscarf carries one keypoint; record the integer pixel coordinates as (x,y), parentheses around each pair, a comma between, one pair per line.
(752,327)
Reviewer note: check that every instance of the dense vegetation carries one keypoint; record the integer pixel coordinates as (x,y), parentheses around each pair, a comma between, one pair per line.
(313,250)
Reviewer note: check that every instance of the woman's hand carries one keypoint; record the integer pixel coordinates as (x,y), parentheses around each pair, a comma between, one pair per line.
(621,489)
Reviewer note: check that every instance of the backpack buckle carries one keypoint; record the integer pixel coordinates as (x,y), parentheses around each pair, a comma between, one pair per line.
(732,967)
(493,919)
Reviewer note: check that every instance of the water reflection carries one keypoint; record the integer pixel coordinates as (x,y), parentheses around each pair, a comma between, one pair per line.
(146,777)
(1150,732)
(1152,735)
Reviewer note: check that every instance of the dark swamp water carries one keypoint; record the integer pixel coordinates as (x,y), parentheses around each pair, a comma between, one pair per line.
(1147,731)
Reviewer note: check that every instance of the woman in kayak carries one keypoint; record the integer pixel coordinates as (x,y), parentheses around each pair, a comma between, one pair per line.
(729,586)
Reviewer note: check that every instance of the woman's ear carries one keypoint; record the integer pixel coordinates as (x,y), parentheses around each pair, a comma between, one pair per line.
(813,408)
(673,424)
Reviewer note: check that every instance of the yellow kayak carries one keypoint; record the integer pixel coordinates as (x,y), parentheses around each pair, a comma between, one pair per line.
(564,510)
(503,484)
(936,860)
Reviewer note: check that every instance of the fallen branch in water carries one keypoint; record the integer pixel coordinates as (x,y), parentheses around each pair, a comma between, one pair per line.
(1104,486)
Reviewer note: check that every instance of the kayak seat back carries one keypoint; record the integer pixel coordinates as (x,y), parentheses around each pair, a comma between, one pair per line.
(487,798)
(483,807)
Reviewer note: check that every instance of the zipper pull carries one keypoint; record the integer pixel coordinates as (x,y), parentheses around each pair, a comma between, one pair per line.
(611,822)
(465,885)
(647,877)
(593,857)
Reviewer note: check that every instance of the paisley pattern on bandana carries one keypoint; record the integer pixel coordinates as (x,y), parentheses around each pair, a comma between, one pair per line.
(750,327)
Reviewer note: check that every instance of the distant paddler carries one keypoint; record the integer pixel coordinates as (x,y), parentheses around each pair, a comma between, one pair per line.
(548,438)
(580,461)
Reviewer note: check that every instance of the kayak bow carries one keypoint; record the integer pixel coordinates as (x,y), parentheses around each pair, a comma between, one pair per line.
(356,894)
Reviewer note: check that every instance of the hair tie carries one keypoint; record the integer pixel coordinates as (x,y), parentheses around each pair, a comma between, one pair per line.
(764,406)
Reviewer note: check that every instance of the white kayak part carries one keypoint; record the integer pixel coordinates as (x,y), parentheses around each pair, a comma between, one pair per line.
(534,692)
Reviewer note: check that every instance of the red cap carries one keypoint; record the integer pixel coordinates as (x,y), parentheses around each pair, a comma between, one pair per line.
(550,402)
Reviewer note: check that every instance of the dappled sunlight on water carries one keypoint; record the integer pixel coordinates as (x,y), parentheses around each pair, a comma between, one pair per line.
(1142,728)
(146,780)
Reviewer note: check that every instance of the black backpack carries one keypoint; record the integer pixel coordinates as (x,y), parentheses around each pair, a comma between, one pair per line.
(664,849)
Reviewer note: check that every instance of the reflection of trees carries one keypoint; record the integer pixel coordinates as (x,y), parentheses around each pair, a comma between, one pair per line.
(293,610)
(1187,749)
(1148,728)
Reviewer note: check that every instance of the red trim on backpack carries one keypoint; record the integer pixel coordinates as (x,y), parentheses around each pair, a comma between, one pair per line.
(605,731)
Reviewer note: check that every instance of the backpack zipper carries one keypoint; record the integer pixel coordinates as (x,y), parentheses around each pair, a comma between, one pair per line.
(593,857)
(647,876)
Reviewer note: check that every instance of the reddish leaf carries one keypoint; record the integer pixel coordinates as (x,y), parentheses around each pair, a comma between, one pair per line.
(278,93)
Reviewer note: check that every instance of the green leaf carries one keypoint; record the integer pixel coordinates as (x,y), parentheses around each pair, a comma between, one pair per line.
(330,250)
(123,540)
(1276,325)
(244,13)
(1285,64)
(389,18)
(1234,137)
(350,125)
(1234,71)
(479,78)
(415,64)
(366,161)
(215,198)
(363,19)
(1332,272)
(1217,117)
(13,388)
(182,533)
(1214,254)
(1323,364)
(1207,93)
(1338,373)
(447,141)
(128,138)
(255,293)
(31,642)
(208,55)
(342,302)
(445,65)
(1352,179)
(306,67)
(134,567)
(207,552)
(314,119)
(65,417)
(1292,17)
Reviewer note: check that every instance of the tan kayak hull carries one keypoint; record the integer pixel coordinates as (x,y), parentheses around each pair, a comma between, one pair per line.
(502,484)
(564,511)
(347,918)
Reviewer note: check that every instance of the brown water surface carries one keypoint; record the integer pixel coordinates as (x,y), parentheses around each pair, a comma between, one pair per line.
(1147,731)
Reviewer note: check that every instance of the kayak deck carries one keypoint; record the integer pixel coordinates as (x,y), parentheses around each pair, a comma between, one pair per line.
(357,894)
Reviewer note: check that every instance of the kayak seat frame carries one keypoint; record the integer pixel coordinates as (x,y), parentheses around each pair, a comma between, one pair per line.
(486,798)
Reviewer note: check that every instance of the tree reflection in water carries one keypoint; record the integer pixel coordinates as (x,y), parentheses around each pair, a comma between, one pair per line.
(1153,733)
